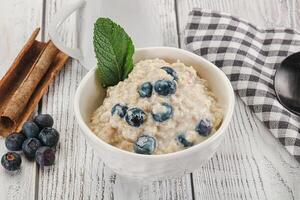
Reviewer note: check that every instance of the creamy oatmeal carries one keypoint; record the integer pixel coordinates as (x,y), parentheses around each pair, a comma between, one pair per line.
(160,108)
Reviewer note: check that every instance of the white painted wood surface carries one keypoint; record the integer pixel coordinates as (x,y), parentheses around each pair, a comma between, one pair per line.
(251,164)
(78,172)
(17,21)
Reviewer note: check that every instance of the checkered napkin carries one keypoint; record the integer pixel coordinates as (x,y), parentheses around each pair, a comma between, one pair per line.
(249,57)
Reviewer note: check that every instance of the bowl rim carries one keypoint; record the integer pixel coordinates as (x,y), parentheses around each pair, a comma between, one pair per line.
(226,120)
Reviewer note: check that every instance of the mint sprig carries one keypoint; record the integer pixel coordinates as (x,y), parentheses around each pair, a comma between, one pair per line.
(114,50)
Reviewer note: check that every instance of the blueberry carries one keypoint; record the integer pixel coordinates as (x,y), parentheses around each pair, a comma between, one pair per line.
(170,71)
(43,121)
(14,141)
(30,129)
(165,87)
(30,146)
(135,117)
(49,137)
(11,161)
(45,156)
(144,145)
(181,138)
(145,90)
(204,127)
(165,115)
(119,110)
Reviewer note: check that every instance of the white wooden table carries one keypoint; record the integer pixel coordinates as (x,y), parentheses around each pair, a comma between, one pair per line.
(250,164)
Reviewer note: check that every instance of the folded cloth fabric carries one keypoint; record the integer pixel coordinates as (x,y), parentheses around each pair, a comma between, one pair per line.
(249,57)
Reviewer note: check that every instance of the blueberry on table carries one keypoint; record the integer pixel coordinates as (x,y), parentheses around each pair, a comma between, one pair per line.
(45,156)
(170,71)
(166,114)
(30,146)
(182,140)
(165,87)
(135,117)
(30,129)
(49,136)
(11,161)
(204,127)
(43,121)
(145,144)
(119,110)
(145,90)
(14,141)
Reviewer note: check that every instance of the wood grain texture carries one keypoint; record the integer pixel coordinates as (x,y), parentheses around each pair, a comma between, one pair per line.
(79,173)
(17,21)
(251,164)
(263,13)
(168,22)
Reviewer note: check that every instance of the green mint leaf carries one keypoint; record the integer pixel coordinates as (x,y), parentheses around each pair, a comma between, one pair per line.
(129,61)
(114,50)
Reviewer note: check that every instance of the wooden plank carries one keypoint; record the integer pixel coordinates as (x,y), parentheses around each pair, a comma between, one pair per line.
(263,13)
(79,173)
(251,164)
(294,13)
(18,19)
(168,22)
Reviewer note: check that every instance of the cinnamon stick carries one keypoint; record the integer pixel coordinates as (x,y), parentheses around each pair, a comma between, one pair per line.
(21,98)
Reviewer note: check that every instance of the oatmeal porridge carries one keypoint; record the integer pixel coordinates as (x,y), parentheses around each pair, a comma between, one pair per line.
(160,108)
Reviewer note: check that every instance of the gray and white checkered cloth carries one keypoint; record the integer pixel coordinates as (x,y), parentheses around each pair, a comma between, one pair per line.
(249,57)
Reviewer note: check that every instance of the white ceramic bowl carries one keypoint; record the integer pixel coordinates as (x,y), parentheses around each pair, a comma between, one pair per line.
(90,95)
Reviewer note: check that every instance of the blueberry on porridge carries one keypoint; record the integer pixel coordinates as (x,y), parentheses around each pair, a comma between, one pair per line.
(160,108)
(162,112)
(144,144)
(165,87)
(204,127)
(182,140)
(145,90)
(119,109)
(170,71)
(135,117)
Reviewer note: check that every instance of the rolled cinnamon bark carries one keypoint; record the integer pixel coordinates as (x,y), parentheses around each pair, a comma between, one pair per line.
(17,103)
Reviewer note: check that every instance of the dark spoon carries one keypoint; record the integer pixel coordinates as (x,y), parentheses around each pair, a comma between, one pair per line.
(287,83)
